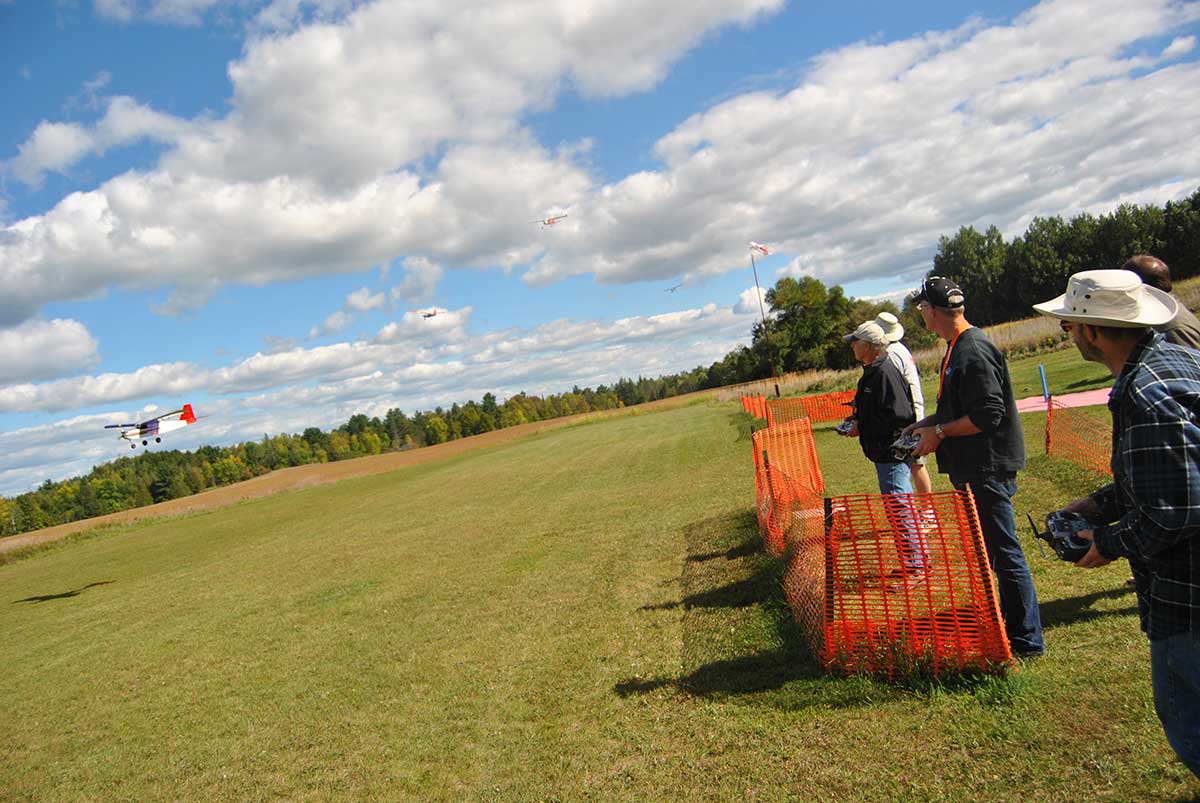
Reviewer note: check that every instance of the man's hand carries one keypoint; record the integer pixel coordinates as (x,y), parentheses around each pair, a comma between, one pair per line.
(1093,559)
(929,441)
(1086,507)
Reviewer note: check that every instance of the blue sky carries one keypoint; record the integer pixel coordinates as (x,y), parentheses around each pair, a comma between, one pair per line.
(241,204)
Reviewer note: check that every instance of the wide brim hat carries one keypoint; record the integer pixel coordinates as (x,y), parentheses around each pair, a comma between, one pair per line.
(1111,298)
(893,330)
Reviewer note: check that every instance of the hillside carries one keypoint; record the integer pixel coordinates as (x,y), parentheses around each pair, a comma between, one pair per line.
(580,614)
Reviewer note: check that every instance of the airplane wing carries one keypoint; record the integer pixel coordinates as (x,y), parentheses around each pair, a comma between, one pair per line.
(119,426)
(157,418)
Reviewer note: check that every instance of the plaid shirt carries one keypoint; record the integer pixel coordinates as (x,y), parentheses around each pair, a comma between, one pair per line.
(1154,499)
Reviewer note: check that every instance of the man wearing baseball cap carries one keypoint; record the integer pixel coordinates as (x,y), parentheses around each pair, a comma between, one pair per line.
(1150,512)
(977,436)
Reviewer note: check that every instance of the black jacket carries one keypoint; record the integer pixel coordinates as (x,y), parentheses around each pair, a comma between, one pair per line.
(977,385)
(883,407)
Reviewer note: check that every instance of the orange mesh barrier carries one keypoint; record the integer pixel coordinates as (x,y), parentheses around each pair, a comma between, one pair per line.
(864,610)
(826,407)
(1082,435)
(787,480)
(760,407)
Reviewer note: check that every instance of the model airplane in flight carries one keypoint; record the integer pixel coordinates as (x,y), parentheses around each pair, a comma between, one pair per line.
(155,427)
(432,312)
(549,221)
(673,289)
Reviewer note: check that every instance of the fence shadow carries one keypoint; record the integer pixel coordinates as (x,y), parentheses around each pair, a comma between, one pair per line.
(739,639)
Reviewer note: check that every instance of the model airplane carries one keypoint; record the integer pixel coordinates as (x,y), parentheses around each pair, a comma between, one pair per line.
(433,312)
(673,289)
(550,221)
(155,427)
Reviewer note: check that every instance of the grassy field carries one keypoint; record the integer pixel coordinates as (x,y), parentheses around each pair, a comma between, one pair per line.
(581,615)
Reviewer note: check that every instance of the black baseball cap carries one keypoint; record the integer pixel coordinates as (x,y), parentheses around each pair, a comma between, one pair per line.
(941,292)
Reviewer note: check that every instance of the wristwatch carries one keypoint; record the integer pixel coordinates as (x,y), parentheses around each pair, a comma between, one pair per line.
(937,430)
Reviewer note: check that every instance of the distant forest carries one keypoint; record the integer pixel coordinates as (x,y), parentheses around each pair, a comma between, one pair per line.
(1000,279)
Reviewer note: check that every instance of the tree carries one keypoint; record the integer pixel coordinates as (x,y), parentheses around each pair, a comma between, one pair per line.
(436,430)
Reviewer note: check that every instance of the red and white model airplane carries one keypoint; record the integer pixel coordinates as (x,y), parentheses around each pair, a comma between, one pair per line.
(432,312)
(155,427)
(549,221)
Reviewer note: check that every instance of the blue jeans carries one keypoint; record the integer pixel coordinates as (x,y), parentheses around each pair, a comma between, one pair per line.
(895,478)
(1018,600)
(1175,676)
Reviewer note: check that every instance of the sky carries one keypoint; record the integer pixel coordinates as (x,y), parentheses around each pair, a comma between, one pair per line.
(246,204)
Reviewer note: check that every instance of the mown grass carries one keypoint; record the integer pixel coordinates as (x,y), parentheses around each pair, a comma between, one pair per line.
(582,615)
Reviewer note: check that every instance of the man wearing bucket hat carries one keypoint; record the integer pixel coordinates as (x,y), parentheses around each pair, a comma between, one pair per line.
(977,435)
(902,358)
(882,408)
(1150,512)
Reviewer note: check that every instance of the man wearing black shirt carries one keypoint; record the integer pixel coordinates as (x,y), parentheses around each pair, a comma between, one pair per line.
(977,436)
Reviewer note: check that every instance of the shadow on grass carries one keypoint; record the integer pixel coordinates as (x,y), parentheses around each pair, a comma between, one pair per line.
(741,644)
(63,595)
(737,594)
(1079,609)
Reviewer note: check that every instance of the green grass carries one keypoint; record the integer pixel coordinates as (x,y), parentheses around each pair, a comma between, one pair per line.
(581,615)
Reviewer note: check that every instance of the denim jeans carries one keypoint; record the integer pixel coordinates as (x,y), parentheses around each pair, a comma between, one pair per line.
(1175,676)
(1018,600)
(896,478)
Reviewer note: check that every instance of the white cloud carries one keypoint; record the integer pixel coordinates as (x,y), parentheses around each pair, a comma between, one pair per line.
(55,147)
(175,12)
(415,350)
(1179,47)
(45,349)
(320,165)
(52,147)
(882,148)
(420,281)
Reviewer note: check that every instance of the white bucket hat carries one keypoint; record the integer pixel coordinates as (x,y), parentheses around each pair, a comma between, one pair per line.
(1111,298)
(893,330)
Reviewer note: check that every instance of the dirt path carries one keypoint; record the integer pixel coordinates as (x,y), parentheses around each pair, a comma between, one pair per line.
(1086,398)
(320,473)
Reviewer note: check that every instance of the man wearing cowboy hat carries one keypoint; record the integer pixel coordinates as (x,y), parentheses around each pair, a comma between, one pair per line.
(902,358)
(977,435)
(1150,512)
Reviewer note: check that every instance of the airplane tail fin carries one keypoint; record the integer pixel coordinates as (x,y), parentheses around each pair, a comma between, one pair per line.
(188,415)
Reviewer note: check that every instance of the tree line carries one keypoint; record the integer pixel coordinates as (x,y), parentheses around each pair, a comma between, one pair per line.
(1000,279)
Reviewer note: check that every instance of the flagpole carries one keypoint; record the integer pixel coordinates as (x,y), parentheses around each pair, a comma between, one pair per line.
(758,290)
(762,314)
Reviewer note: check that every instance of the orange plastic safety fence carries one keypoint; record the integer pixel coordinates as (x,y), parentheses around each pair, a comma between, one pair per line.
(787,480)
(897,584)
(1082,435)
(826,407)
(755,406)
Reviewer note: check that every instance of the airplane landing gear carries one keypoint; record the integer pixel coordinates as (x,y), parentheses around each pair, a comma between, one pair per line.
(158,440)
(145,443)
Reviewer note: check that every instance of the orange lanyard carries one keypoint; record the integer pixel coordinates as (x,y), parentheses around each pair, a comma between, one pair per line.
(946,361)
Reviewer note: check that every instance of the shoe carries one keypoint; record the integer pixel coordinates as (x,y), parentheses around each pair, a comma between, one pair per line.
(1032,655)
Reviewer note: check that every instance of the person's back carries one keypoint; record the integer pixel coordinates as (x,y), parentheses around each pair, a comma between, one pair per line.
(1185,329)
